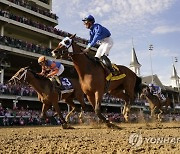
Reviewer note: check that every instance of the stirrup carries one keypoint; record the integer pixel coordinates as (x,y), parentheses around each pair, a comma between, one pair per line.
(114,73)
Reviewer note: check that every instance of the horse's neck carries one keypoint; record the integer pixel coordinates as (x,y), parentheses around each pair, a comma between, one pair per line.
(34,82)
(149,97)
(82,64)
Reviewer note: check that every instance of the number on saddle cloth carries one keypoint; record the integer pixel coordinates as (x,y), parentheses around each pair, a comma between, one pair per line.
(66,83)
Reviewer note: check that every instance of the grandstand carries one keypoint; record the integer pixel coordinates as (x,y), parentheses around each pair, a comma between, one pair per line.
(27,31)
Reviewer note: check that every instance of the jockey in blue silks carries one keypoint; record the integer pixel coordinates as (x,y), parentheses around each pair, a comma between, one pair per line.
(156,90)
(101,36)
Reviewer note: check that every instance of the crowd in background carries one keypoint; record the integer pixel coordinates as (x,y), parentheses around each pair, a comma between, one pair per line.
(23,45)
(25,90)
(28,5)
(22,116)
(38,25)
(18,89)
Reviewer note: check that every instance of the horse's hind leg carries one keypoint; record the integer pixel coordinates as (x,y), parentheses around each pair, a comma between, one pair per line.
(159,115)
(80,98)
(126,108)
(72,105)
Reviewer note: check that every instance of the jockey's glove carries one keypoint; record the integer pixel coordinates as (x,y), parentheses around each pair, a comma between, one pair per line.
(86,50)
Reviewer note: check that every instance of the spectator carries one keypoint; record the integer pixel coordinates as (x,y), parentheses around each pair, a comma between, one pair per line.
(21,121)
(6,121)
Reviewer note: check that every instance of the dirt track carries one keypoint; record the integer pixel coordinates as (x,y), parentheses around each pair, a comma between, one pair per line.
(88,139)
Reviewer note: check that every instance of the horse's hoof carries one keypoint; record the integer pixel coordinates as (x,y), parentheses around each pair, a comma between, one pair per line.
(113,126)
(67,126)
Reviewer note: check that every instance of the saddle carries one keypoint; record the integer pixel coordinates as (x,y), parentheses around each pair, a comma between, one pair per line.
(112,71)
(106,64)
(63,85)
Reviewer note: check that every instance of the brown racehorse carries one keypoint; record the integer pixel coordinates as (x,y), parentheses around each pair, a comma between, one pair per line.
(93,79)
(154,102)
(47,94)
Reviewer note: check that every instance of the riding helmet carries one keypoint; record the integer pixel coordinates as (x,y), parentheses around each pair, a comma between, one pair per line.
(41,59)
(89,18)
(151,84)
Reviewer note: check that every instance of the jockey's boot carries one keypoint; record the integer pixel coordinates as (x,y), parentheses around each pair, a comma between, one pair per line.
(58,82)
(96,59)
(109,65)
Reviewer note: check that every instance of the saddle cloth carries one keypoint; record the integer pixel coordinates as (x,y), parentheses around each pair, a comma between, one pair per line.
(66,85)
(118,76)
(109,76)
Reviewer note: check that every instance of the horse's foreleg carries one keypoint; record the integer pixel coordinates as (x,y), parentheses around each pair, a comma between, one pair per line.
(96,104)
(98,108)
(57,109)
(125,97)
(153,112)
(45,107)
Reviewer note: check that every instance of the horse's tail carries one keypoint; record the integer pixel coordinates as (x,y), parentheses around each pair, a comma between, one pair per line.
(138,85)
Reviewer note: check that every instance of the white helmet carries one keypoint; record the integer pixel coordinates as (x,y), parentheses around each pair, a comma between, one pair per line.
(151,85)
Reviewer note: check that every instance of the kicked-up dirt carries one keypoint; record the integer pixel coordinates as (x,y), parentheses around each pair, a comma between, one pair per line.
(131,138)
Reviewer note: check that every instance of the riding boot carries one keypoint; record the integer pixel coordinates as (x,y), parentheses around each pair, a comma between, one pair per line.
(58,82)
(96,59)
(108,64)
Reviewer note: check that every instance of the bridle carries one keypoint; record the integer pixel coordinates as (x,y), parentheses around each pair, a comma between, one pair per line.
(68,47)
(18,77)
(145,92)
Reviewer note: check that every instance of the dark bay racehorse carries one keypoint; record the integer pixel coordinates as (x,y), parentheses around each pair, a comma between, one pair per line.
(155,103)
(47,94)
(93,79)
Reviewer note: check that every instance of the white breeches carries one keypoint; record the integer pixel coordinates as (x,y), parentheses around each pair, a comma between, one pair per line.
(61,69)
(104,48)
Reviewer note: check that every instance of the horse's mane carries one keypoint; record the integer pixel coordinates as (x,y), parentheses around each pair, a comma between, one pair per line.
(38,76)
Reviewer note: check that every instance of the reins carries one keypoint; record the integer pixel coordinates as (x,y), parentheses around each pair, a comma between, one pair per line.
(23,76)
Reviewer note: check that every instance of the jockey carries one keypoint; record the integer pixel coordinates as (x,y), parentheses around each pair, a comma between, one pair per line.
(54,69)
(156,90)
(101,36)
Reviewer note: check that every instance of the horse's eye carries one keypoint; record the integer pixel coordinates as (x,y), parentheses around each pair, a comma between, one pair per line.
(67,42)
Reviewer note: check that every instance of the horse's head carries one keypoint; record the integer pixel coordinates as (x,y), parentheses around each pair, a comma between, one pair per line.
(65,47)
(145,92)
(20,76)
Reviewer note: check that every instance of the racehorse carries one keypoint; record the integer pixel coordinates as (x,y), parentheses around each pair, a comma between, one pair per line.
(154,102)
(48,95)
(167,103)
(93,78)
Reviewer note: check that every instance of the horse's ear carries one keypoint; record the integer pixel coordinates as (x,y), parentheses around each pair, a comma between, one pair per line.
(72,36)
(26,67)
